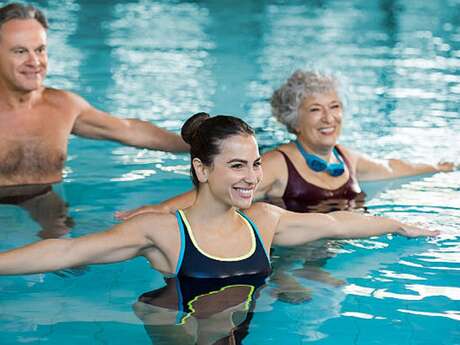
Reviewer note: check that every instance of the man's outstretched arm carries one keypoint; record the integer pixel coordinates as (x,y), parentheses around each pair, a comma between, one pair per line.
(96,124)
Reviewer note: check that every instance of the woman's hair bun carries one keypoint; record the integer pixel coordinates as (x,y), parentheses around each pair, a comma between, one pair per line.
(191,126)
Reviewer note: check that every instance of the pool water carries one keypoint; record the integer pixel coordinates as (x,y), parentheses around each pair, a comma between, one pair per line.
(163,61)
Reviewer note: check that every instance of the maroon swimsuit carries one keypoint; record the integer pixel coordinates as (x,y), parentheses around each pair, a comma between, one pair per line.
(303,196)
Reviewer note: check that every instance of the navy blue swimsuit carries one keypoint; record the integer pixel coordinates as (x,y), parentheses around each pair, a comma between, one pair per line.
(198,275)
(194,263)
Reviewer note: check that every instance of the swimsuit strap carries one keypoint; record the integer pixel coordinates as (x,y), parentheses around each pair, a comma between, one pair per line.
(256,231)
(180,223)
(194,262)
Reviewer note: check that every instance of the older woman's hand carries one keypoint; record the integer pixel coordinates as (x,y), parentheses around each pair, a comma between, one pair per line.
(446,166)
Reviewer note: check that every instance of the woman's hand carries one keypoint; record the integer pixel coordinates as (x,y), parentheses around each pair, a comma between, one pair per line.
(125,215)
(369,169)
(298,228)
(170,206)
(445,166)
(409,230)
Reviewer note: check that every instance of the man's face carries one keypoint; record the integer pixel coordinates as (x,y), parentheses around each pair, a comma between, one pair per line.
(23,56)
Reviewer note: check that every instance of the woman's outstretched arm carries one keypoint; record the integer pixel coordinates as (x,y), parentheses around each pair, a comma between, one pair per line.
(120,243)
(369,169)
(298,228)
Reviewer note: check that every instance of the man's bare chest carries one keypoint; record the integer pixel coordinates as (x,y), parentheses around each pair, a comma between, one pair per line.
(35,155)
(33,145)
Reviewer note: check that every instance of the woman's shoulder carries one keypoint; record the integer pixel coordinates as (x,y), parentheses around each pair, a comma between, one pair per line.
(265,216)
(264,212)
(154,224)
(272,155)
(350,155)
(277,155)
(278,151)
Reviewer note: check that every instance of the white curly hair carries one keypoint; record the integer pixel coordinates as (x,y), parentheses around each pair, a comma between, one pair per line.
(286,100)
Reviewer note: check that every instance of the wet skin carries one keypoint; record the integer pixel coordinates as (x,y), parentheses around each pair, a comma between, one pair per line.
(36,121)
(32,147)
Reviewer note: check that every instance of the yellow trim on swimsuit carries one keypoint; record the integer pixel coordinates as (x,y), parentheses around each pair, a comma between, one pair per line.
(195,243)
(247,303)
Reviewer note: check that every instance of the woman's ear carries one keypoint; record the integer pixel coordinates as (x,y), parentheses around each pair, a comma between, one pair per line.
(296,129)
(201,170)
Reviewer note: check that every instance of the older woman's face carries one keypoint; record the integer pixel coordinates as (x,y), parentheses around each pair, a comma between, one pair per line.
(320,120)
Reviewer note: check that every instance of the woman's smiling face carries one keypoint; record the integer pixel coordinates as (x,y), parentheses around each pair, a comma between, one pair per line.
(320,121)
(236,171)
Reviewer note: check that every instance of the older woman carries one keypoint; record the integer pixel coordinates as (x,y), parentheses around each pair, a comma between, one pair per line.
(314,168)
(312,172)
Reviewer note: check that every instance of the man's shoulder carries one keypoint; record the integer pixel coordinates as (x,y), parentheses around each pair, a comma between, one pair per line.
(60,96)
(51,92)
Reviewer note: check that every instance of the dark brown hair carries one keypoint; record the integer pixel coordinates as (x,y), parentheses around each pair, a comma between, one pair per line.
(205,133)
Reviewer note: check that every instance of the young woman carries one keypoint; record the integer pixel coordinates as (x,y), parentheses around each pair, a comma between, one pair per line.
(223,234)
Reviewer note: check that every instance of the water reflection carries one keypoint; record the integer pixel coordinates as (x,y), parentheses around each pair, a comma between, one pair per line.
(324,206)
(64,58)
(162,61)
(200,311)
(44,206)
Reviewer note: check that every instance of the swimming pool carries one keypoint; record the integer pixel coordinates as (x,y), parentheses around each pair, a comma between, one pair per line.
(165,60)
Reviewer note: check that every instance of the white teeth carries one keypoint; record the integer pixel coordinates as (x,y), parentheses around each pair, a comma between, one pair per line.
(327,130)
(244,191)
(32,75)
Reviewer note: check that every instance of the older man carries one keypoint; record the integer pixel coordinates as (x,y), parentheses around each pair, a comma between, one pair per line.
(36,121)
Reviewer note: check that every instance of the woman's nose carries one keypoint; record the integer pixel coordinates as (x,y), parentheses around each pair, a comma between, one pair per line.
(251,176)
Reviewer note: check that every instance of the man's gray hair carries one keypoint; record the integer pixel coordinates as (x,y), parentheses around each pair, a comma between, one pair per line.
(20,11)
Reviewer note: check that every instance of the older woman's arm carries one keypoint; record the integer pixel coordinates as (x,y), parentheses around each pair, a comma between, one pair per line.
(369,169)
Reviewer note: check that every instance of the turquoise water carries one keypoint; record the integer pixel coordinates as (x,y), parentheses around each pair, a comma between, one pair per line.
(162,61)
